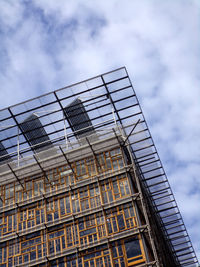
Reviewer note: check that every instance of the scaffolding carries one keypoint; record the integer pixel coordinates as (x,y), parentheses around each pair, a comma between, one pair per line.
(114,119)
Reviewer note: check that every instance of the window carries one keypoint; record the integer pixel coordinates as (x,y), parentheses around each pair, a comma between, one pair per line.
(134,252)
(75,201)
(3,254)
(81,170)
(110,160)
(8,194)
(91,166)
(116,158)
(128,252)
(120,218)
(115,188)
(98,257)
(60,177)
(62,239)
(118,255)
(91,228)
(7,223)
(29,189)
(64,206)
(56,241)
(84,168)
(19,192)
(71,235)
(31,216)
(33,248)
(69,261)
(85,198)
(38,187)
(52,210)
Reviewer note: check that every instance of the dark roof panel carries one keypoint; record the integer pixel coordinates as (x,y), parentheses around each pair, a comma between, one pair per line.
(78,118)
(35,133)
(3,153)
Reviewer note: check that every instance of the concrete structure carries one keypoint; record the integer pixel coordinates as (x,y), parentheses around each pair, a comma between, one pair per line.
(81,183)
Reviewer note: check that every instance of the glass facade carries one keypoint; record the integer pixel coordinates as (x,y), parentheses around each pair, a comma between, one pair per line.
(59,177)
(54,222)
(126,252)
(86,197)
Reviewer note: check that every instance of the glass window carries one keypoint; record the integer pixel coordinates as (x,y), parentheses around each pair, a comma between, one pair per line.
(133,251)
(91,228)
(120,218)
(71,235)
(132,248)
(7,223)
(128,252)
(97,257)
(31,216)
(115,188)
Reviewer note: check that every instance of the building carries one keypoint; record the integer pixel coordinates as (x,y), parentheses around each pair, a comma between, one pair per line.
(81,183)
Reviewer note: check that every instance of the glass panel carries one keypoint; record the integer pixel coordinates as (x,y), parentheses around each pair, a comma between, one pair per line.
(132,248)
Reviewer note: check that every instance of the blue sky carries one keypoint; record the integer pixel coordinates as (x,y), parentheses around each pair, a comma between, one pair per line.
(48,44)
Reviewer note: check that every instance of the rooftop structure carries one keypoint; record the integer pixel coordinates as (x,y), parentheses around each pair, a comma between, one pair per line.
(81,182)
(78,118)
(34,132)
(3,153)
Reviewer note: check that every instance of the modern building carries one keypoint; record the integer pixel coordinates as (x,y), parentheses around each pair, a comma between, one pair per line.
(81,183)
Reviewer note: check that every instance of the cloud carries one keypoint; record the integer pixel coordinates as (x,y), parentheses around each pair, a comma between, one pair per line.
(48,44)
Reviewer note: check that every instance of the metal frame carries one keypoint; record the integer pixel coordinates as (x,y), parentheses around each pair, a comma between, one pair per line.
(112,89)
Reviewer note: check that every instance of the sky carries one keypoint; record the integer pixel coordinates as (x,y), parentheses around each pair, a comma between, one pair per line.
(49,44)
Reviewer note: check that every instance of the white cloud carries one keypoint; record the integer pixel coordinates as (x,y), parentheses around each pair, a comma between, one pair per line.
(11,14)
